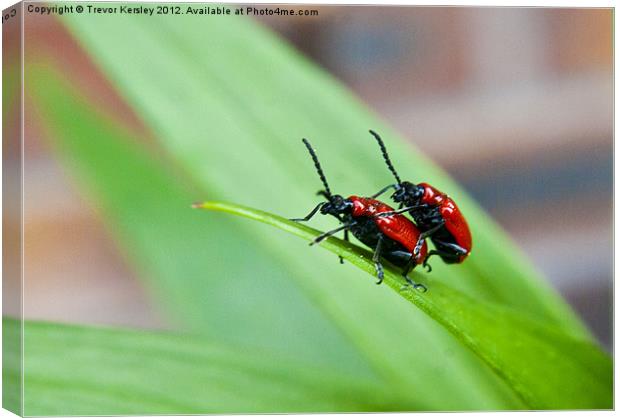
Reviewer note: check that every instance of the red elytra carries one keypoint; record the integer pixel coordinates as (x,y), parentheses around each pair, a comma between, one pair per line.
(396,227)
(454,220)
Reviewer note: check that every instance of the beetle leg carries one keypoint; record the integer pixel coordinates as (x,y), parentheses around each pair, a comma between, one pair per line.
(450,252)
(330,233)
(424,235)
(408,267)
(442,254)
(418,247)
(431,231)
(416,285)
(385,189)
(346,238)
(310,215)
(455,248)
(376,259)
(399,211)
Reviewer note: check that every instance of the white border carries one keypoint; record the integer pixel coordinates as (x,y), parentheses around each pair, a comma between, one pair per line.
(527,3)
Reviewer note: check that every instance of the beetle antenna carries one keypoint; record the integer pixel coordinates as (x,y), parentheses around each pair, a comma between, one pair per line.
(317,165)
(386,157)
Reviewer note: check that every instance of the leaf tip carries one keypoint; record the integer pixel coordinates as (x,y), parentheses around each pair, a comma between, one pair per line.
(197,205)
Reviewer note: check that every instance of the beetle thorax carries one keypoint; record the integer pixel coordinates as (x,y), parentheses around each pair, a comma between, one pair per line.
(408,193)
(337,205)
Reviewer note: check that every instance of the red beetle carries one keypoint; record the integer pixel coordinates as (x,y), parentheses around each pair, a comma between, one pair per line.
(434,212)
(392,236)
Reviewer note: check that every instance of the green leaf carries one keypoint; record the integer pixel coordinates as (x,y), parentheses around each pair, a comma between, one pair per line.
(74,370)
(545,367)
(230,102)
(234,285)
(226,104)
(201,288)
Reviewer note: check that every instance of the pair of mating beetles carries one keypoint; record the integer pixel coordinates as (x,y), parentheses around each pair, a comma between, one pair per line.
(392,235)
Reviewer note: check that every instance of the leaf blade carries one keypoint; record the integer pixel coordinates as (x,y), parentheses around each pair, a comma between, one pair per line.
(77,370)
(546,367)
(201,288)
(258,110)
(190,99)
(145,203)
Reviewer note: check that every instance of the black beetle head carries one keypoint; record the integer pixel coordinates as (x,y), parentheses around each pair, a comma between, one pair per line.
(336,205)
(408,193)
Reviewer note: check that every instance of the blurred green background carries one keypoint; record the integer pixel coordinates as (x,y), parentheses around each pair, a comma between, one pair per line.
(129,119)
